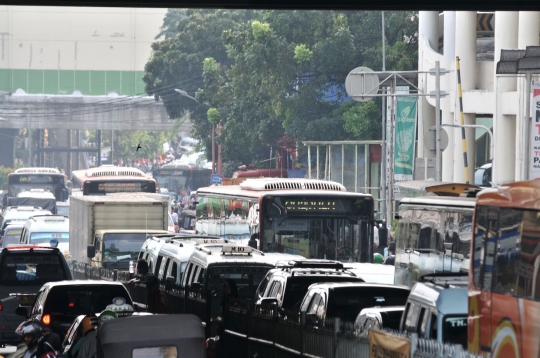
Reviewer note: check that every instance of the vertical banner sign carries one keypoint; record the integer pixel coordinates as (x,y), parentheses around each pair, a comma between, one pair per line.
(535,134)
(404,139)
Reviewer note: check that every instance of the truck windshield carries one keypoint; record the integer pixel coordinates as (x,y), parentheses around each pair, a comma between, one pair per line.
(116,246)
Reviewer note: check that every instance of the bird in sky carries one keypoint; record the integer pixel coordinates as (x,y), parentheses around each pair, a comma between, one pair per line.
(139,147)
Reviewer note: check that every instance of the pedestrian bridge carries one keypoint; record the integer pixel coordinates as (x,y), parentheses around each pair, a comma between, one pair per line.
(21,110)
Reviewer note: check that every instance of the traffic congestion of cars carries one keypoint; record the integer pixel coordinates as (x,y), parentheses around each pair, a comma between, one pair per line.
(44,303)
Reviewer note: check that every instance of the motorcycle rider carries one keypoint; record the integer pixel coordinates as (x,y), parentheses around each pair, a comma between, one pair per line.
(30,332)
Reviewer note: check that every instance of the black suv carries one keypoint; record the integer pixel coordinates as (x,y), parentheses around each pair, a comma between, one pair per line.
(58,304)
(345,300)
(287,284)
(23,270)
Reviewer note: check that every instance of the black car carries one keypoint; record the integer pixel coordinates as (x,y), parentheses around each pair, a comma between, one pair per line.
(345,300)
(24,269)
(287,285)
(58,304)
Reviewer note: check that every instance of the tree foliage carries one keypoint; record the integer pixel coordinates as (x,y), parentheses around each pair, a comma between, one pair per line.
(270,74)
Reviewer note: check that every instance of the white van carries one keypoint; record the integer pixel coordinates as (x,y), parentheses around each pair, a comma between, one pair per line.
(437,308)
(41,229)
(167,255)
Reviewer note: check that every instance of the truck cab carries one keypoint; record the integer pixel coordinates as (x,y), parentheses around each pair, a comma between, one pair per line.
(114,249)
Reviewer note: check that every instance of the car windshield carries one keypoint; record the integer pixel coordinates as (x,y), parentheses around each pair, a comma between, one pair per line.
(45,237)
(455,330)
(120,246)
(11,237)
(346,303)
(30,269)
(78,300)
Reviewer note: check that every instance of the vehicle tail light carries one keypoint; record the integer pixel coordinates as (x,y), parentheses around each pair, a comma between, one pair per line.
(1,306)
(72,304)
(46,319)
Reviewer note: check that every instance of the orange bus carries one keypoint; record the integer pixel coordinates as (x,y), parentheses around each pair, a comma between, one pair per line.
(504,295)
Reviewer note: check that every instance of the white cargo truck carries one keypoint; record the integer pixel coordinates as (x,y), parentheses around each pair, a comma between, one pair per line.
(128,213)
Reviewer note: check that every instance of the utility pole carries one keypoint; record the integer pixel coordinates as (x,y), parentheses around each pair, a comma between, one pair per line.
(383,147)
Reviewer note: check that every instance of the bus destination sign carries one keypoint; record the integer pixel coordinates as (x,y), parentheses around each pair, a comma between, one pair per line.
(311,205)
(115,187)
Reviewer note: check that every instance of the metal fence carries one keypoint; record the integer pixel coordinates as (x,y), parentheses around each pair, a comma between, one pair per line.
(250,331)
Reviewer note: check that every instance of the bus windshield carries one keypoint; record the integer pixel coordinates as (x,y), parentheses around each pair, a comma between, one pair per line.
(316,227)
(432,238)
(54,183)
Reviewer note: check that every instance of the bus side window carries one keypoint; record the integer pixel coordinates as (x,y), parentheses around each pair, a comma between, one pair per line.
(507,260)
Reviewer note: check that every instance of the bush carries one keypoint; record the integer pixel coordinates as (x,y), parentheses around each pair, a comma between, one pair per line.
(3,176)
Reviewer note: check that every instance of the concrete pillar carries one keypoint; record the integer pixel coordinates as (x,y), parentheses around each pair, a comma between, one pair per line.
(466,51)
(447,108)
(7,147)
(504,127)
(528,32)
(428,29)
(450,36)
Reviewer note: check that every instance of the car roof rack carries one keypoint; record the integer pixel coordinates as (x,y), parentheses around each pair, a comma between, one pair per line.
(445,279)
(318,264)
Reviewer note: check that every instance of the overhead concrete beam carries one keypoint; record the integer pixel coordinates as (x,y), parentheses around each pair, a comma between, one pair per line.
(72,112)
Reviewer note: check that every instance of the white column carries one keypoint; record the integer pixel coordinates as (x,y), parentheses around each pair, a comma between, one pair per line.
(528,32)
(447,105)
(504,127)
(466,51)
(428,29)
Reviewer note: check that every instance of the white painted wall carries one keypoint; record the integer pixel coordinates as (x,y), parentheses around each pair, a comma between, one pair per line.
(77,38)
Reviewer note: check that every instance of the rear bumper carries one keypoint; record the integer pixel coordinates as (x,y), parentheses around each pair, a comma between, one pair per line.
(9,338)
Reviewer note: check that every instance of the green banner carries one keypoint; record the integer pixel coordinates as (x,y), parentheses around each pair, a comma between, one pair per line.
(405,133)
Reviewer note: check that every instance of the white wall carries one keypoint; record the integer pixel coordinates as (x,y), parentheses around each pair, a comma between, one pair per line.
(77,38)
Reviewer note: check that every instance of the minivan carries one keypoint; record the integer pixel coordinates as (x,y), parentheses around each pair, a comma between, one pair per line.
(437,308)
(42,229)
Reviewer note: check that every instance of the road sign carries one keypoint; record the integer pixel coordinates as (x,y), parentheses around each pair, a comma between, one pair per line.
(216,179)
(361,83)
(430,136)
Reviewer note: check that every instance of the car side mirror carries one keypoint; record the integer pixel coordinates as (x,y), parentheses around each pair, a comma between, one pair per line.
(21,311)
(268,302)
(65,194)
(91,251)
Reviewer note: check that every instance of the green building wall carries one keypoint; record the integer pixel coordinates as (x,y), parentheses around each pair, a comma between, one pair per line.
(89,83)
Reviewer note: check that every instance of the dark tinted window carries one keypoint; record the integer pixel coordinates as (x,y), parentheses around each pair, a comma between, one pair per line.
(30,269)
(78,300)
(246,279)
(347,303)
(297,287)
(455,330)
(391,319)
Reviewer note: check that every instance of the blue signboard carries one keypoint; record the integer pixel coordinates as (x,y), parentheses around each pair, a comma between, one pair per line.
(216,179)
